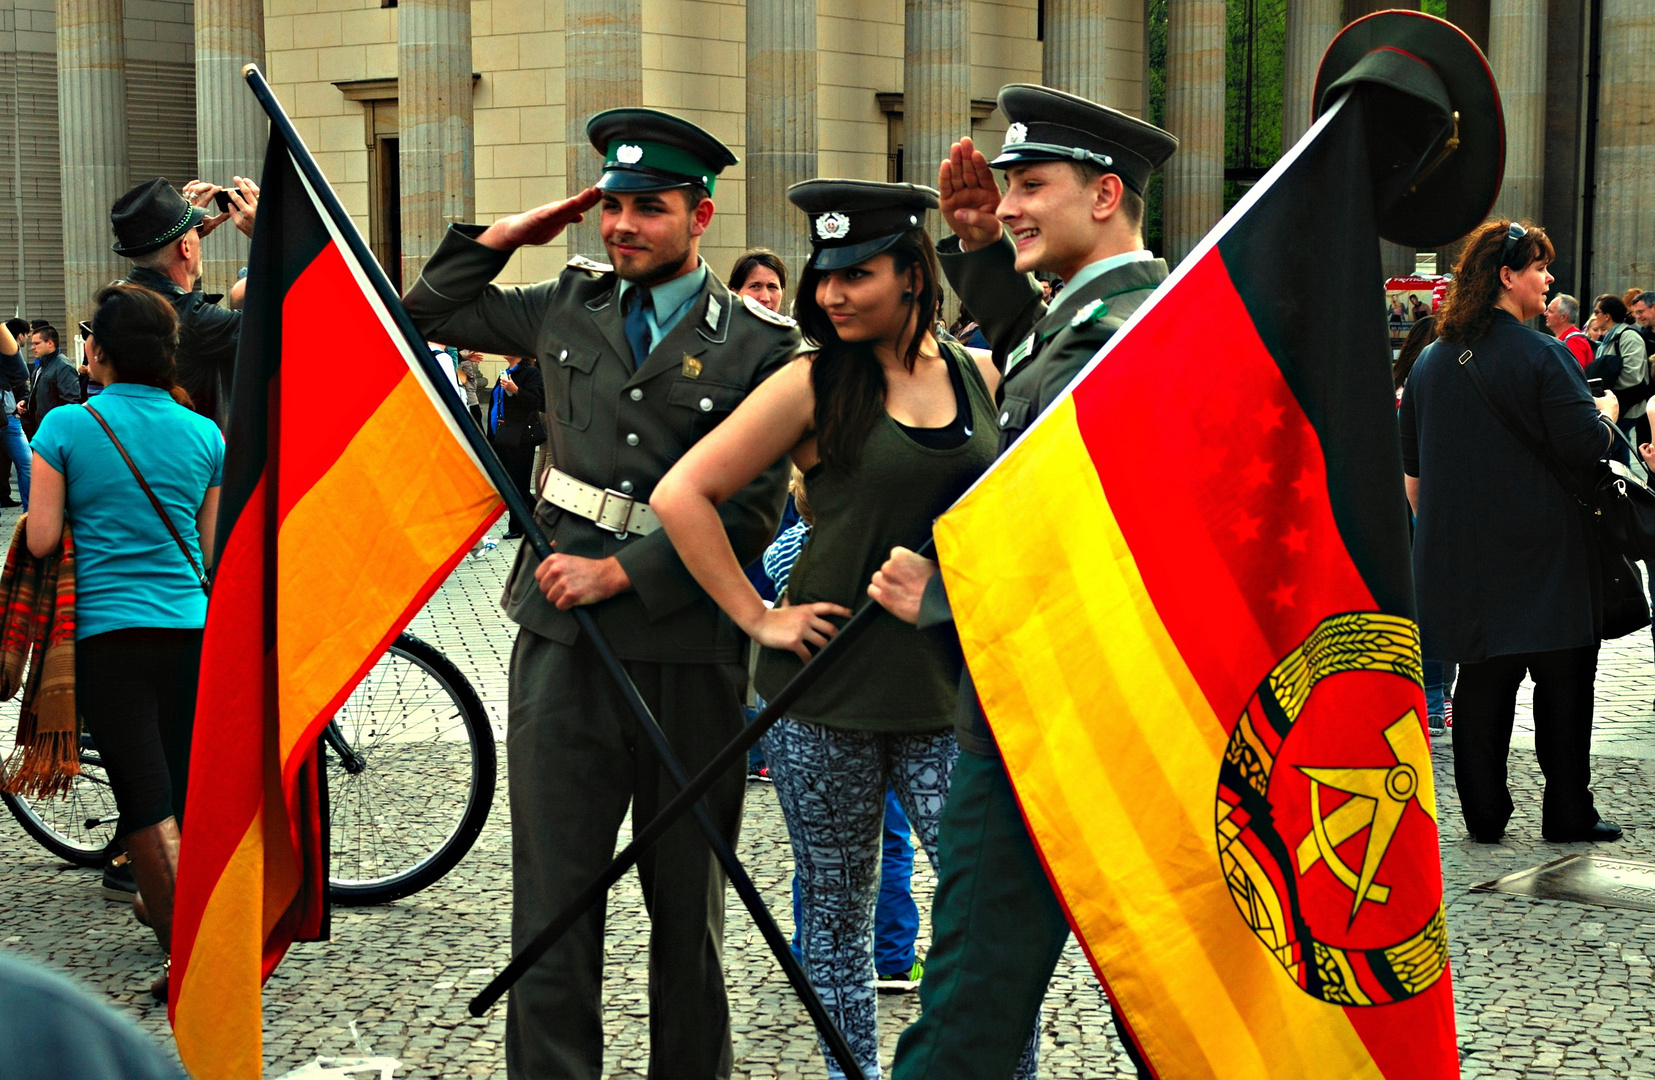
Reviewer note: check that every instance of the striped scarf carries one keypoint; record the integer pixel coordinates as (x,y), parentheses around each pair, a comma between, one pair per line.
(37,625)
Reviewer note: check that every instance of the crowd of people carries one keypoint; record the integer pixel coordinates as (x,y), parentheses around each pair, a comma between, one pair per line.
(729,471)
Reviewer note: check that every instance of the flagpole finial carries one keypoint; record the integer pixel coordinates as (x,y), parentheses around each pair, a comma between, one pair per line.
(248,69)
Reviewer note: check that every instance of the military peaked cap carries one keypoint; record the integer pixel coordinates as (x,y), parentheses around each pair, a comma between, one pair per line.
(649,150)
(1050,125)
(851,221)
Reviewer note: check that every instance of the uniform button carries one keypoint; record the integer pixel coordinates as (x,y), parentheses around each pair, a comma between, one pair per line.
(1005,418)
(564,355)
(637,394)
(706,404)
(626,487)
(632,439)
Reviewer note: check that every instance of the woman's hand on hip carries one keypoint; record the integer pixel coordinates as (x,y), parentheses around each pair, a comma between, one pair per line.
(796,629)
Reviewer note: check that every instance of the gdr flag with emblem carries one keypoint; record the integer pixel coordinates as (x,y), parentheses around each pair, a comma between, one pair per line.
(1202,666)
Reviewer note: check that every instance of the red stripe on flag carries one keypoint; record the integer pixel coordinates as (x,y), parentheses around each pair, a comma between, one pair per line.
(226,785)
(318,418)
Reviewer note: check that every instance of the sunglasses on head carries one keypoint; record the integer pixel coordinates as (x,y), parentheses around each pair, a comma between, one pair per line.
(85,329)
(1513,234)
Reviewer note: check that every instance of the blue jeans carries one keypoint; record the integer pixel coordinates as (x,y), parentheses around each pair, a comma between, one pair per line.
(1439,685)
(17,448)
(896,916)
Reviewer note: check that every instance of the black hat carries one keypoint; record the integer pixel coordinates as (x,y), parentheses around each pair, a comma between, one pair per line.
(1049,125)
(151,216)
(851,221)
(1441,130)
(649,150)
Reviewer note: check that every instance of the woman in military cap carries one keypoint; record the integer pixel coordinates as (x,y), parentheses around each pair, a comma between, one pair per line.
(889,427)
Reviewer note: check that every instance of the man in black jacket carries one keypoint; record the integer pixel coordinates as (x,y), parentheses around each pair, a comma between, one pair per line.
(53,382)
(161,231)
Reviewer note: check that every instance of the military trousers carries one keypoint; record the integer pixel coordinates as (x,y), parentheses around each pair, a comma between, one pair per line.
(575,760)
(997,932)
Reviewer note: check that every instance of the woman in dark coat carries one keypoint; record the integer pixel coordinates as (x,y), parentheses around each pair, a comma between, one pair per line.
(1503,562)
(514,425)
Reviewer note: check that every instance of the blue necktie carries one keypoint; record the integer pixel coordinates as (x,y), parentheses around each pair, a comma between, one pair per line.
(637,323)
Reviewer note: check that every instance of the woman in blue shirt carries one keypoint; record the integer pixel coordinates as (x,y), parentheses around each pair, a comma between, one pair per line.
(140,606)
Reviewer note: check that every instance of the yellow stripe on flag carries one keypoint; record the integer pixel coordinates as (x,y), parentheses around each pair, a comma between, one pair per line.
(224,969)
(402,497)
(1115,761)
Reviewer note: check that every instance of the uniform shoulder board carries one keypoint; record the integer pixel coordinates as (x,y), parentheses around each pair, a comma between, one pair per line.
(581,262)
(766,314)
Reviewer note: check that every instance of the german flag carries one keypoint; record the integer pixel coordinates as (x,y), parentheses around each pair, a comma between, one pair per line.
(341,513)
(1202,668)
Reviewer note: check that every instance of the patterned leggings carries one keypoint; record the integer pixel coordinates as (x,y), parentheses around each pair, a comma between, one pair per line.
(831,785)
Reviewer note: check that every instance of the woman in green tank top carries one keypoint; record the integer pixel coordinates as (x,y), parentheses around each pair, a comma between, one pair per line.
(889,427)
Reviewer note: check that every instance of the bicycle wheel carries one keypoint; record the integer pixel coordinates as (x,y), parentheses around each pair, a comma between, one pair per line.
(410,768)
(78,827)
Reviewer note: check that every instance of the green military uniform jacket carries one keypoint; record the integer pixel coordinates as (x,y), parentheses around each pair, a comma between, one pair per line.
(618,428)
(1040,349)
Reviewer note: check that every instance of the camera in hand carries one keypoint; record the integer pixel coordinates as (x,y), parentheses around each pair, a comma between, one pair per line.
(222,198)
(1596,387)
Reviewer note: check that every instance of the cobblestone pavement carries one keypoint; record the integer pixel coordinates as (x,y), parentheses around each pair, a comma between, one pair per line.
(1544,988)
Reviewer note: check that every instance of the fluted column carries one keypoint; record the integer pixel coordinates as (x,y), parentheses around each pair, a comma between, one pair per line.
(1075,55)
(1517,53)
(936,93)
(91,109)
(603,50)
(781,123)
(1311,25)
(1194,186)
(1623,234)
(230,128)
(437,157)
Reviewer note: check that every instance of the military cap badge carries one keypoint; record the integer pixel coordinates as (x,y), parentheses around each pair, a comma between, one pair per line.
(629,154)
(1016,133)
(832,225)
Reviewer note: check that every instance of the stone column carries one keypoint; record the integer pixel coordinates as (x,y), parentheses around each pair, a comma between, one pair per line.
(1194,184)
(1075,54)
(936,94)
(603,51)
(1623,232)
(230,128)
(1517,53)
(437,159)
(781,123)
(91,109)
(1311,26)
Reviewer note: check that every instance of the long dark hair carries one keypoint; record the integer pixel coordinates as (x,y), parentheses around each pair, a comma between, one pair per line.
(137,330)
(846,377)
(1468,310)
(1424,332)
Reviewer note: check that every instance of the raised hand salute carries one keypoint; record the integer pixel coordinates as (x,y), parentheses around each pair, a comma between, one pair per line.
(969,196)
(541,225)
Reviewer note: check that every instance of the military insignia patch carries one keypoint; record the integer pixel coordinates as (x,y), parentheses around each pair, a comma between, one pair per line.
(765,313)
(832,225)
(1090,312)
(1016,133)
(581,262)
(691,368)
(1020,354)
(629,154)
(714,310)
(1326,816)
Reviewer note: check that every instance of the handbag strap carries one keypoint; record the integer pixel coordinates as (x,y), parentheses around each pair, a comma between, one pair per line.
(1468,361)
(161,511)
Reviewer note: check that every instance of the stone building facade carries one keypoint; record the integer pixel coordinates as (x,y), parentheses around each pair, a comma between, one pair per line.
(443,110)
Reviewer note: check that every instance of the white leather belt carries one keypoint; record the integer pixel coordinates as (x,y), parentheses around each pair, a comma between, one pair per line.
(612,510)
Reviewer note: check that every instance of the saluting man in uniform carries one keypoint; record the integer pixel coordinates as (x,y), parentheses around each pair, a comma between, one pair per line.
(1075,174)
(641,359)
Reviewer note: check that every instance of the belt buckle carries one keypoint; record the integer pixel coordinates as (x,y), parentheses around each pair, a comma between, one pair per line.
(619,528)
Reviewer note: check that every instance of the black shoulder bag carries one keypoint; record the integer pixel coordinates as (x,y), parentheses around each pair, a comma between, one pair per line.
(161,511)
(1620,518)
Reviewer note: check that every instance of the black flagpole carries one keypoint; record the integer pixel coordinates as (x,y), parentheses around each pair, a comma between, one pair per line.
(518,506)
